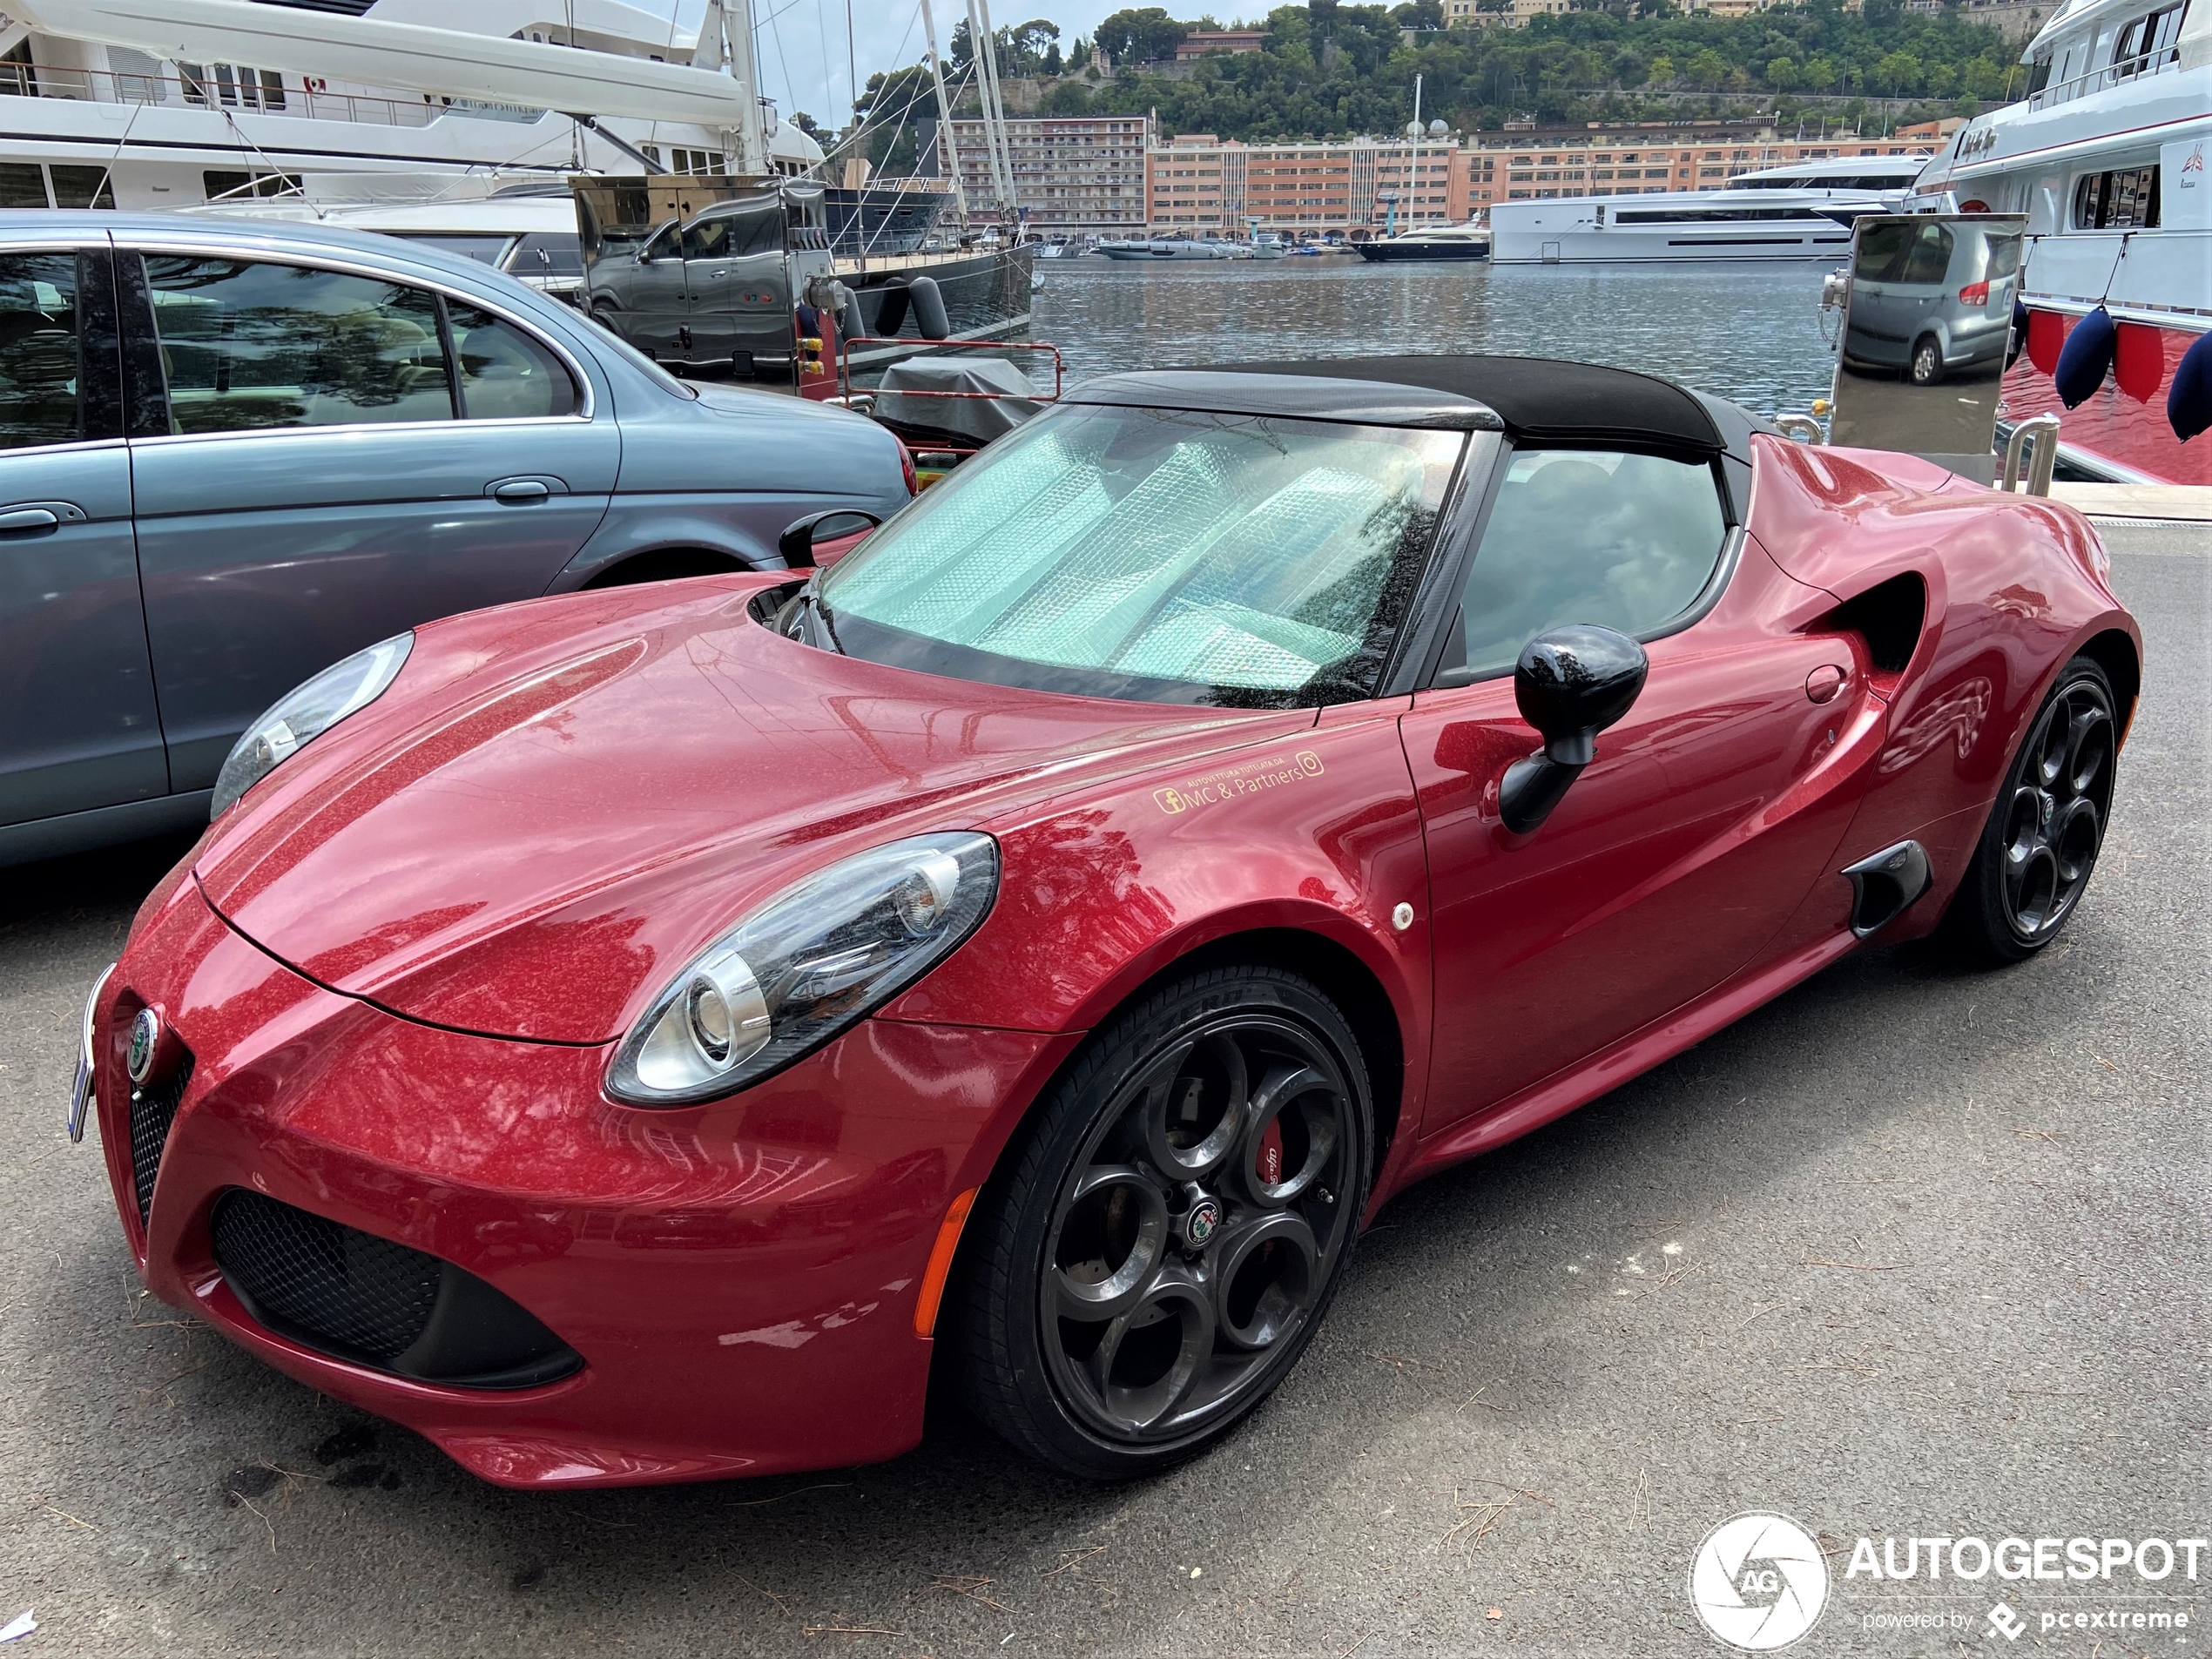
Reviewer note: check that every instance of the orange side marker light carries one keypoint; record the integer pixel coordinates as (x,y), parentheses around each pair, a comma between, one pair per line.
(941,1263)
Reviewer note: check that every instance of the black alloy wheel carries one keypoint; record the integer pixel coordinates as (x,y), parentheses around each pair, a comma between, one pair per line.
(2040,847)
(1173,1228)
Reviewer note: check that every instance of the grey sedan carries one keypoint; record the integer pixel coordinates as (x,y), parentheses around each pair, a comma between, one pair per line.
(232,453)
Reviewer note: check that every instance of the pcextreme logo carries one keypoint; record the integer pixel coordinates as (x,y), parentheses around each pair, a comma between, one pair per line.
(1759,1581)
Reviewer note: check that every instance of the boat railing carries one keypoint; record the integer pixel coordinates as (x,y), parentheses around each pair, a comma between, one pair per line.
(2155,62)
(243,91)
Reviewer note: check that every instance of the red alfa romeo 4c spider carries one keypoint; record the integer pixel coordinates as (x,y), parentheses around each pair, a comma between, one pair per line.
(635,1035)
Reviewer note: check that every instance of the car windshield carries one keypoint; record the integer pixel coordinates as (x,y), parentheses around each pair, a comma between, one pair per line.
(1158,555)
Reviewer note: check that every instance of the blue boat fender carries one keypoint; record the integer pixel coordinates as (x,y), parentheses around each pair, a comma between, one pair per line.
(2189,399)
(2086,359)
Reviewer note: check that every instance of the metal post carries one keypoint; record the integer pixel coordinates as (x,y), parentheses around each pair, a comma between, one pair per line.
(947,151)
(985,46)
(2042,431)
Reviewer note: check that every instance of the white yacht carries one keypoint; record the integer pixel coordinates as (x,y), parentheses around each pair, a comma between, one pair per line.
(168,103)
(1776,214)
(2106,156)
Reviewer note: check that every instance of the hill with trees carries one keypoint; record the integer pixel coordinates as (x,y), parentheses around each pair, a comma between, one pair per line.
(1331,70)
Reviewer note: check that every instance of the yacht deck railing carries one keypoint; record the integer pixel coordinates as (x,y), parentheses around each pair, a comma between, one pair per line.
(242,92)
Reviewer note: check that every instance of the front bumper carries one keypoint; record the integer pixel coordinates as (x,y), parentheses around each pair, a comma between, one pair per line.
(740,1277)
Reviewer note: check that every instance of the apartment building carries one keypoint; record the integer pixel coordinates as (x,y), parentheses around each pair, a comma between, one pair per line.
(1201,185)
(1562,163)
(1075,174)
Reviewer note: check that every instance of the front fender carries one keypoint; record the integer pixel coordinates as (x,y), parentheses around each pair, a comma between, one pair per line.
(1315,831)
(733,528)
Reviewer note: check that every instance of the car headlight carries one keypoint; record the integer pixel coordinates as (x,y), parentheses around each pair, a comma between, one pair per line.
(817,958)
(307,712)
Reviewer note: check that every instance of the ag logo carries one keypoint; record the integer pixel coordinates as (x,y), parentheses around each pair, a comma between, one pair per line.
(1759,1581)
(1203,1222)
(146,1034)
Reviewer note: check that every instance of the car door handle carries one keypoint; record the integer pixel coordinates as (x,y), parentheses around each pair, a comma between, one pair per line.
(519,492)
(28,518)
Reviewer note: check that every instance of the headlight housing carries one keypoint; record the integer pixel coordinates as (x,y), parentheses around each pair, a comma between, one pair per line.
(307,712)
(817,958)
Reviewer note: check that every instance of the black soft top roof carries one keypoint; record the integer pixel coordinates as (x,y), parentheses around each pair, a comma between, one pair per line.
(1540,398)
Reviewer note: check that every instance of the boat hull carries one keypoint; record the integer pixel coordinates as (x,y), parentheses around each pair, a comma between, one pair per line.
(2121,431)
(1397,253)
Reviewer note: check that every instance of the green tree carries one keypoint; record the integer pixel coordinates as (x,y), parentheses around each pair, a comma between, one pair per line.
(1781,74)
(1819,75)
(1662,68)
(1140,36)
(1707,69)
(1898,74)
(1052,65)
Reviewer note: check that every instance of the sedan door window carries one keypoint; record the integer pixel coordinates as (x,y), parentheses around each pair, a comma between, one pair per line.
(247,345)
(1626,540)
(505,374)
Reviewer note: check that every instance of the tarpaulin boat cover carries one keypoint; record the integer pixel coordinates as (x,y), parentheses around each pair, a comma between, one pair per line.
(1007,398)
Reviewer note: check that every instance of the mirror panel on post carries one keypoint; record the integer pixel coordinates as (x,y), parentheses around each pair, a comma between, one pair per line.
(1570,684)
(1927,335)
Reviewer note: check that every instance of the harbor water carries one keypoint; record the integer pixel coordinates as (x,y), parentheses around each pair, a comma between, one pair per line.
(1747,332)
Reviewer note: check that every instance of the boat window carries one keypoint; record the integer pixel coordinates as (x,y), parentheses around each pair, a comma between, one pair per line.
(22,185)
(2039,75)
(2123,200)
(248,345)
(1588,536)
(1157,554)
(505,374)
(485,250)
(38,366)
(547,253)
(82,186)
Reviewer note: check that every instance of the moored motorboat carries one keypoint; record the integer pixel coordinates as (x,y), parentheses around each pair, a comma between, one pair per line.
(1468,241)
(1776,214)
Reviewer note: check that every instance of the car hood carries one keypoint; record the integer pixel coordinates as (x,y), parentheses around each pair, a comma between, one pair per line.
(558,803)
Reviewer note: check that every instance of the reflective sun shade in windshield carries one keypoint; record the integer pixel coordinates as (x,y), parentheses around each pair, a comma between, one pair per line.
(1160,554)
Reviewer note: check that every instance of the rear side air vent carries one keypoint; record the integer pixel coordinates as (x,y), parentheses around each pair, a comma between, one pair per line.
(374,1303)
(1889,617)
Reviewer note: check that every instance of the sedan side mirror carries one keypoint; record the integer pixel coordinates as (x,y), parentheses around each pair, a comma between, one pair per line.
(1570,684)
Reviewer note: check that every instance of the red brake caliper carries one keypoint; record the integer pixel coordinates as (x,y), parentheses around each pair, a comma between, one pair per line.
(1271,1154)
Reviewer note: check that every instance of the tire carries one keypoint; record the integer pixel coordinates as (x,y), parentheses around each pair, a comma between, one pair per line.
(2040,847)
(1241,1088)
(1926,366)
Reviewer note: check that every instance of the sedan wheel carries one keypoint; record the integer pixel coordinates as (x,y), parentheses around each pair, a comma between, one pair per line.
(2040,844)
(1174,1227)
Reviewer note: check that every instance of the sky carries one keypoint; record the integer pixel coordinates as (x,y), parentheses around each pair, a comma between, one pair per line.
(804,65)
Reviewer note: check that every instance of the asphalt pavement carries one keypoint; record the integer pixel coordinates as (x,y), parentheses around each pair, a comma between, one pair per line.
(1912,1252)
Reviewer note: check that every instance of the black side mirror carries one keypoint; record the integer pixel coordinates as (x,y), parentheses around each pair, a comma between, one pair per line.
(1570,684)
(797,543)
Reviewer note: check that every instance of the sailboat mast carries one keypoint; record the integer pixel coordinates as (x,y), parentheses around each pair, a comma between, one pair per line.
(947,151)
(734,37)
(982,39)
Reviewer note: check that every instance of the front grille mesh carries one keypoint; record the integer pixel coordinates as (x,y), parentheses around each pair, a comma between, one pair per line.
(154,1108)
(336,1285)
